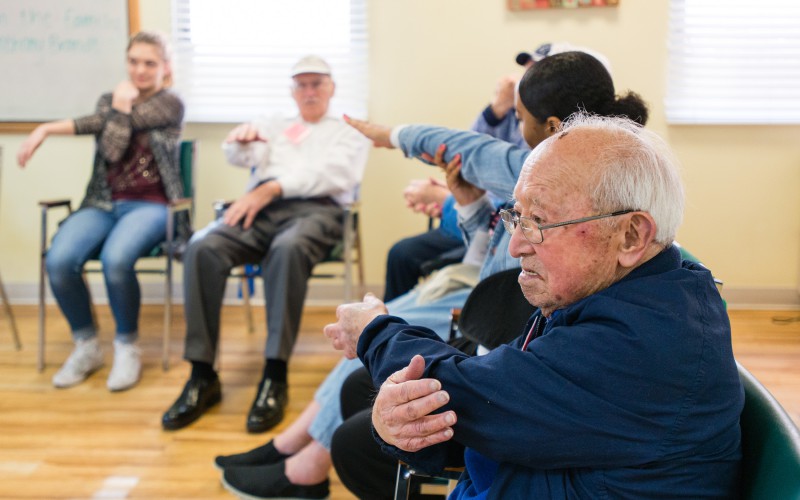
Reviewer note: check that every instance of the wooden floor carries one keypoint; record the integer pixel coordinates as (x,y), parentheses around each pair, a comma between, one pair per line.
(85,442)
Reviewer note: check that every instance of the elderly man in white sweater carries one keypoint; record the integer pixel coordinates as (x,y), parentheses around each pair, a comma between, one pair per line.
(304,170)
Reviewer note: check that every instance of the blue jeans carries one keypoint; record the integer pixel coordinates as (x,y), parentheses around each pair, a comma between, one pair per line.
(118,238)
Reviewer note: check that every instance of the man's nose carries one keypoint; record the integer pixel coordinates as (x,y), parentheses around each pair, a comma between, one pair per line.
(519,244)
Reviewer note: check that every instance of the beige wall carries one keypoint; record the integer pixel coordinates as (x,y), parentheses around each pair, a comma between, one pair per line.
(436,62)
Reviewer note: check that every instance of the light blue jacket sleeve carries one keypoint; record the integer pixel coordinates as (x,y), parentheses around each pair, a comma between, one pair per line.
(486,162)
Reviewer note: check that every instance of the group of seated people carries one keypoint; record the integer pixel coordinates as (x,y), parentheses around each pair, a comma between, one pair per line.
(622,384)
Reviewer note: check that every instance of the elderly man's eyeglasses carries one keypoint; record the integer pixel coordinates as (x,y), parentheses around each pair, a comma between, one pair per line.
(533,232)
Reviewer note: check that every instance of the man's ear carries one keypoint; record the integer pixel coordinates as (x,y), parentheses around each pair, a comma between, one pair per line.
(639,231)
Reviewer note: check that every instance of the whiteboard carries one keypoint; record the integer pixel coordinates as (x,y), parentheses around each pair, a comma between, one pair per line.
(59,56)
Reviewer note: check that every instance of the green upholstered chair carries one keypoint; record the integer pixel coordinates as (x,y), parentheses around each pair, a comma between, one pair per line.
(770,445)
(167,251)
(687,255)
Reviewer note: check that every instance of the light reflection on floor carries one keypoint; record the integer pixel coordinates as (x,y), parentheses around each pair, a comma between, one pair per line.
(116,487)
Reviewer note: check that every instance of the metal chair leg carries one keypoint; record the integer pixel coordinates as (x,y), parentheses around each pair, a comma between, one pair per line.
(10,315)
(42,278)
(246,280)
(402,489)
(348,256)
(167,308)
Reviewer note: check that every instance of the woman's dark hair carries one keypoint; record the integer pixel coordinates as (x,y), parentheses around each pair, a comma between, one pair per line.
(564,83)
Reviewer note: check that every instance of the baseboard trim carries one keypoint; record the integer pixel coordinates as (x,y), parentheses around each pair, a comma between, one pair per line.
(319,294)
(332,294)
(778,298)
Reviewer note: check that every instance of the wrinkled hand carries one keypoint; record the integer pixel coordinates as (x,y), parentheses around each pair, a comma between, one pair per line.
(123,96)
(245,133)
(351,321)
(30,145)
(426,196)
(247,207)
(463,191)
(503,99)
(402,411)
(379,134)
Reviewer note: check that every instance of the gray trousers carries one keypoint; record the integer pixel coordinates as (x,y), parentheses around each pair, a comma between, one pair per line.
(287,239)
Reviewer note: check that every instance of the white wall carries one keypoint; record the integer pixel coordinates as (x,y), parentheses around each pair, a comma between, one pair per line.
(436,62)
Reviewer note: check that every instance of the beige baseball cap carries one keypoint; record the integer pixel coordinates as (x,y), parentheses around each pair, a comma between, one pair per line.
(311,64)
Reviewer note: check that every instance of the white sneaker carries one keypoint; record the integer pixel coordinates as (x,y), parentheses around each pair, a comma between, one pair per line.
(127,367)
(86,358)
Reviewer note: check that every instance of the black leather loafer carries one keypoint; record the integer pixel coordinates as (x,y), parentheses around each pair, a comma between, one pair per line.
(198,396)
(267,409)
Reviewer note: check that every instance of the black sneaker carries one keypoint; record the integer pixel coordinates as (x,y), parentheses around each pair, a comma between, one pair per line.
(263,455)
(259,482)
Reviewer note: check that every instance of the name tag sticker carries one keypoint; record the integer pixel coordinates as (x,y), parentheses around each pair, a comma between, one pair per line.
(297,133)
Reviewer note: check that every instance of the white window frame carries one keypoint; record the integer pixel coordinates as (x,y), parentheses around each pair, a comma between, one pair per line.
(232,59)
(733,62)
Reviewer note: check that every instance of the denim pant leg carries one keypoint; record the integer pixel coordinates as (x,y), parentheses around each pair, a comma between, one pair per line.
(78,239)
(434,315)
(327,396)
(139,227)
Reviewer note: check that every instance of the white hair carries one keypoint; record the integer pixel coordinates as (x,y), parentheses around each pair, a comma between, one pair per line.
(637,170)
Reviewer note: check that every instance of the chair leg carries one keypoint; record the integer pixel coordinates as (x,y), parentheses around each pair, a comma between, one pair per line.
(10,315)
(348,258)
(402,489)
(360,264)
(42,277)
(167,315)
(248,311)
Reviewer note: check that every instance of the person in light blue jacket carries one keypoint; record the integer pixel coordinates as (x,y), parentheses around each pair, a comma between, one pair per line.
(407,258)
(495,165)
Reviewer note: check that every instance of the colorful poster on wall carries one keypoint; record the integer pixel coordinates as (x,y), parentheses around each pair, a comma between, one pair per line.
(559,4)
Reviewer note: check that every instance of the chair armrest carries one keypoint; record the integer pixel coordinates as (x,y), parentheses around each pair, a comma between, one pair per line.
(48,204)
(180,204)
(220,206)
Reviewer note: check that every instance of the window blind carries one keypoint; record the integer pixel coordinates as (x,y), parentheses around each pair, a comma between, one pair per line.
(232,59)
(733,62)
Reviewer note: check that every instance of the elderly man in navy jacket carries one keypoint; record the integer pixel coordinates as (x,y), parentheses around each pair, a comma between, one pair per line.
(623,385)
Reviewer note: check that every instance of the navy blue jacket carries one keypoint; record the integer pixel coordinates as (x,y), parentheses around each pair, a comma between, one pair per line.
(631,392)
